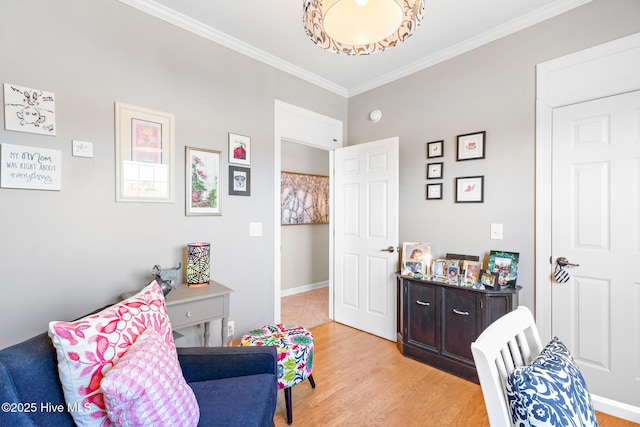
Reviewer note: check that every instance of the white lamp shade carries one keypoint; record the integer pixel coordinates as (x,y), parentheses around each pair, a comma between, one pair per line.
(357,27)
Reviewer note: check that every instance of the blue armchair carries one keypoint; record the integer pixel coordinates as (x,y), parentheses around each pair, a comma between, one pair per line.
(234,386)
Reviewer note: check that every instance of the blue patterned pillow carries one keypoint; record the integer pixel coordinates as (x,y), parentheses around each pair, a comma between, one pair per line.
(550,392)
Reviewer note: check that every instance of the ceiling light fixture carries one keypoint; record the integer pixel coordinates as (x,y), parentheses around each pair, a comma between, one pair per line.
(361,27)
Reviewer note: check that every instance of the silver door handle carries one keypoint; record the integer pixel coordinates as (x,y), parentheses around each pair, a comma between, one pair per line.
(461,313)
(390,249)
(563,262)
(422,302)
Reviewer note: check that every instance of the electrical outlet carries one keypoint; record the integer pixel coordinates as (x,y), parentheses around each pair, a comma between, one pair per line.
(230,330)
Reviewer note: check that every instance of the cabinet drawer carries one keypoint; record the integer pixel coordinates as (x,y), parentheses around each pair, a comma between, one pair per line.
(191,313)
(422,310)
(461,321)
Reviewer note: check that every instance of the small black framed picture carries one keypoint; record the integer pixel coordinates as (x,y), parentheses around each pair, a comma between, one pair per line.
(434,170)
(434,149)
(434,191)
(239,181)
(470,189)
(471,146)
(489,279)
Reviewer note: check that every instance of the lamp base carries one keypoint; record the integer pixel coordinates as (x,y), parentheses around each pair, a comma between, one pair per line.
(197,285)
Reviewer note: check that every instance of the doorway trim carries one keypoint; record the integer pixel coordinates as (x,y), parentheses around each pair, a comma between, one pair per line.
(298,125)
(593,73)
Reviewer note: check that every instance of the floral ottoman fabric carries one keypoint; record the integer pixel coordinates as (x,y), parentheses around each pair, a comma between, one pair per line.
(295,350)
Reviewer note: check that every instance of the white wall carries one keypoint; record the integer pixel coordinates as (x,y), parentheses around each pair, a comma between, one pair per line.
(64,253)
(492,89)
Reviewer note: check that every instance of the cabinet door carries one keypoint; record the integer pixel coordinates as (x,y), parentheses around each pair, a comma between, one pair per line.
(422,312)
(461,320)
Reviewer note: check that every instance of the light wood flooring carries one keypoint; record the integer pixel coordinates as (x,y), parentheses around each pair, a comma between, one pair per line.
(306,309)
(363,380)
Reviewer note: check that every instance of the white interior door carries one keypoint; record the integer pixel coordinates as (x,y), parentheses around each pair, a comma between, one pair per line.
(365,223)
(596,224)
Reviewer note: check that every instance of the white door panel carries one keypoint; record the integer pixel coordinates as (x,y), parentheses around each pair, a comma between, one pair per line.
(366,221)
(595,223)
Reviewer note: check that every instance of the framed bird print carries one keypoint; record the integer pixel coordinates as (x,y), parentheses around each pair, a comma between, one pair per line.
(470,189)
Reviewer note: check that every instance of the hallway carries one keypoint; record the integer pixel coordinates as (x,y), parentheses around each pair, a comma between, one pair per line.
(307,309)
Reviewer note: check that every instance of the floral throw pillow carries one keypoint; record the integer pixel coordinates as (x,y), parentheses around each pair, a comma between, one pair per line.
(550,392)
(146,387)
(88,348)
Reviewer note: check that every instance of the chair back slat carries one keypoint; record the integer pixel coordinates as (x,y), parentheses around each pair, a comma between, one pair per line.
(509,342)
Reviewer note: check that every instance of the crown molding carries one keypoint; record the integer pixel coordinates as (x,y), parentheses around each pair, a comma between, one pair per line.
(196,27)
(496,33)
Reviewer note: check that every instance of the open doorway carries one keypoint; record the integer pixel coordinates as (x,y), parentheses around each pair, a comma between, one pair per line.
(300,131)
(304,246)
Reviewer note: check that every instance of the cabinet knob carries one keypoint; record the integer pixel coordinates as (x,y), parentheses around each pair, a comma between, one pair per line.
(188,314)
(461,313)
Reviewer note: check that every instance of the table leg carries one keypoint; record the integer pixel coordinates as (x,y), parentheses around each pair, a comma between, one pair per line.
(225,331)
(207,333)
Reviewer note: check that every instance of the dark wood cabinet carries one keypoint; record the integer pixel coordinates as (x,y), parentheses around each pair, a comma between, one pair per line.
(437,322)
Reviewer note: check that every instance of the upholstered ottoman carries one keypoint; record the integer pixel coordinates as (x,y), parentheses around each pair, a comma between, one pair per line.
(294,345)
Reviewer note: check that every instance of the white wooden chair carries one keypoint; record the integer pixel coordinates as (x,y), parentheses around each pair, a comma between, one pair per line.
(509,342)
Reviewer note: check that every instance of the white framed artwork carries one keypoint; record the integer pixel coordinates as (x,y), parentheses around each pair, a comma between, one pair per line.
(29,110)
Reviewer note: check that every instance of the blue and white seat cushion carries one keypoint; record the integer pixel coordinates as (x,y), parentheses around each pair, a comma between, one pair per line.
(550,392)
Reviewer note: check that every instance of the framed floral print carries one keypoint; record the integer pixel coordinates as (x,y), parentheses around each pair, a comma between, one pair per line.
(203,181)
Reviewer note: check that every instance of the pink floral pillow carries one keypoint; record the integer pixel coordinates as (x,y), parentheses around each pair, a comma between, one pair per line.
(88,348)
(146,387)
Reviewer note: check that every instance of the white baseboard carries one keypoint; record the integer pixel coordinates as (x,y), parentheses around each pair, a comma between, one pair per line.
(303,288)
(617,409)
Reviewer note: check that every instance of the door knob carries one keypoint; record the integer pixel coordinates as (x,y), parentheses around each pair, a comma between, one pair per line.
(563,262)
(390,249)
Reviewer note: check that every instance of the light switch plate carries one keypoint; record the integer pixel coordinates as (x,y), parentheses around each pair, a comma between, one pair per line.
(255,229)
(82,148)
(496,231)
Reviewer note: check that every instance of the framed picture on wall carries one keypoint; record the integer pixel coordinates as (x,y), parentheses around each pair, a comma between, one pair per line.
(204,179)
(470,189)
(144,154)
(434,170)
(434,191)
(471,146)
(239,181)
(239,149)
(304,198)
(434,149)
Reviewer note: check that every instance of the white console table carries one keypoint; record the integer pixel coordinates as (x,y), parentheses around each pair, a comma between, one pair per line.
(193,305)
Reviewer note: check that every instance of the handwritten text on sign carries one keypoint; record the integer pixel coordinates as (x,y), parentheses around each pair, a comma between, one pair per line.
(30,167)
